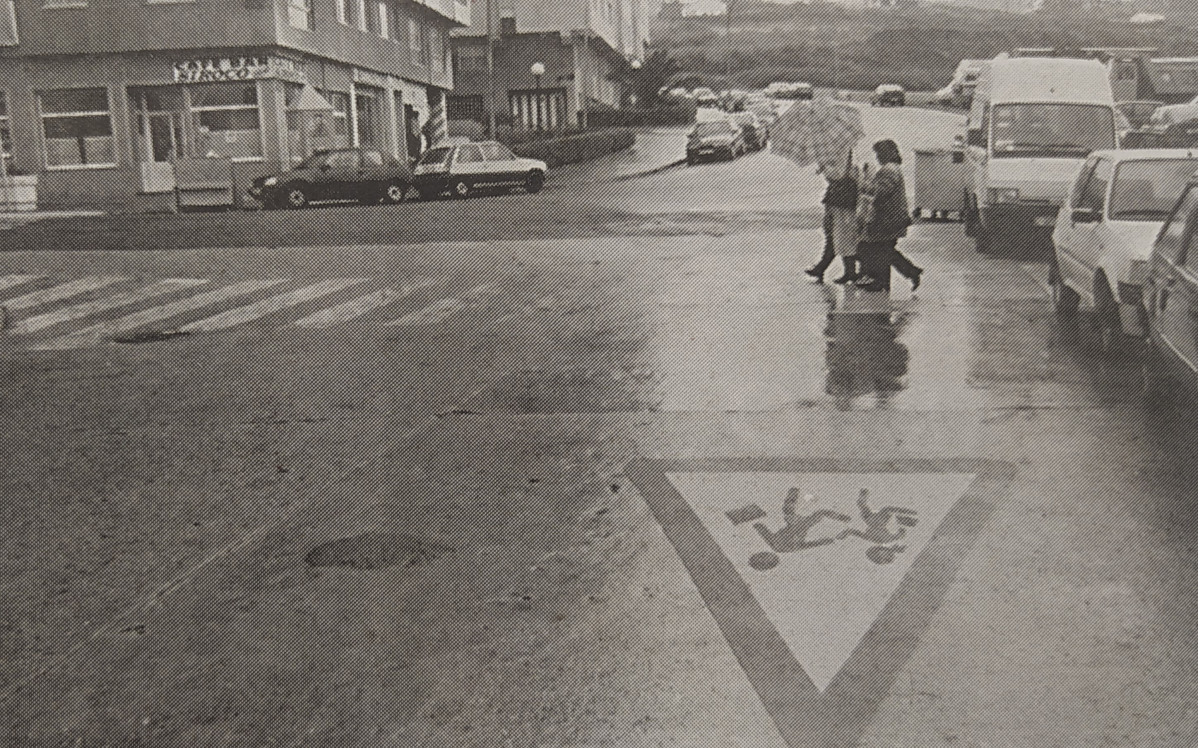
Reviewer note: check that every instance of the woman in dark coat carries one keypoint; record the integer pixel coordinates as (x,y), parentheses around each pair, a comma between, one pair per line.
(886,223)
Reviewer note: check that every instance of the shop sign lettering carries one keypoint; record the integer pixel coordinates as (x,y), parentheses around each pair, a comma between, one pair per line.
(234,69)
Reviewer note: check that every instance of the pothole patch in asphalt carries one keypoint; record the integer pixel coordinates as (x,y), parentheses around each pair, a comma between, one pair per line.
(376,550)
(148,336)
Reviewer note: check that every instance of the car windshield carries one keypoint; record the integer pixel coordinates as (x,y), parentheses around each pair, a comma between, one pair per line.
(434,156)
(1147,190)
(712,128)
(1051,130)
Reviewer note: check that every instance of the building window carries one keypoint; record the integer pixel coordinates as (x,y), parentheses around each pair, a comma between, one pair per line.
(8,24)
(360,13)
(64,3)
(414,40)
(227,123)
(434,49)
(384,12)
(343,11)
(299,13)
(77,128)
(5,135)
(470,59)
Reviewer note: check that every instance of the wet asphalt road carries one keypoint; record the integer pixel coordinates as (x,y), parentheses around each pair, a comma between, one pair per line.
(526,513)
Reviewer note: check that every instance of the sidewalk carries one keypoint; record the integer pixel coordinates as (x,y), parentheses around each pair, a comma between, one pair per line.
(655,148)
(11,220)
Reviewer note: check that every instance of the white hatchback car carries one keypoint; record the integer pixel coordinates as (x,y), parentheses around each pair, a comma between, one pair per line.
(1105,229)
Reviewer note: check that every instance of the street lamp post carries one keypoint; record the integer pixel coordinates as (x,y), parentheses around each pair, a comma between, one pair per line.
(537,70)
(636,66)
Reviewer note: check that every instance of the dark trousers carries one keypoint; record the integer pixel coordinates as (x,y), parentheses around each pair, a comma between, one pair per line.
(829,250)
(878,257)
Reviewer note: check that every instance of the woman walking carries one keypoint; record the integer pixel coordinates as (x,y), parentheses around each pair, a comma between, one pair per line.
(840,222)
(884,220)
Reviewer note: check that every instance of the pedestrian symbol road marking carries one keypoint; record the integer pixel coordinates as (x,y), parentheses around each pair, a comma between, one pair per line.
(822,574)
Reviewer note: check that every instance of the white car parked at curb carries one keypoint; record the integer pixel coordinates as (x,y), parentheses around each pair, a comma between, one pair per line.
(1105,229)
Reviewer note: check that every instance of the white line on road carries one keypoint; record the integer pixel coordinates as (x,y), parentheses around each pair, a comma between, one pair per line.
(96,333)
(355,308)
(8,281)
(441,310)
(86,309)
(65,291)
(259,309)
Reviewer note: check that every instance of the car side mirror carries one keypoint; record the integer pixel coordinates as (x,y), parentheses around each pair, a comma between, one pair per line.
(976,138)
(958,141)
(1086,215)
(325,166)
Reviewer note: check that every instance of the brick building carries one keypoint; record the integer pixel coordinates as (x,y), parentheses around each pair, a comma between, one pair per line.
(103,99)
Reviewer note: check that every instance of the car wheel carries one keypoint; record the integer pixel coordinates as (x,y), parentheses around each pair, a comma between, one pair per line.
(982,240)
(1064,298)
(296,196)
(534,182)
(394,192)
(969,217)
(1155,385)
(461,189)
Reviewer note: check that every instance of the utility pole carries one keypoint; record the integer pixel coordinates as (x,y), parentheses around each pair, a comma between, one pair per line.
(490,74)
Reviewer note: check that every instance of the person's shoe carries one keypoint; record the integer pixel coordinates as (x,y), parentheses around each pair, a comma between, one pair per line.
(915,279)
(816,275)
(866,283)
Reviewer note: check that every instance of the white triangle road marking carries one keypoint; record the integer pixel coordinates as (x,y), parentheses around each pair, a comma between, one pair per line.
(259,309)
(86,309)
(92,335)
(826,575)
(355,308)
(60,292)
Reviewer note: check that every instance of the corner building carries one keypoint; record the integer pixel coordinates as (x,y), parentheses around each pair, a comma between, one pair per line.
(103,99)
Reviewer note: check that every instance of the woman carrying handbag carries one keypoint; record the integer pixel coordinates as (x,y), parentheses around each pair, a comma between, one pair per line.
(883,216)
(840,221)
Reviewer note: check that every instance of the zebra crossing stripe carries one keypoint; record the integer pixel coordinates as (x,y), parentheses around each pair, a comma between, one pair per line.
(441,310)
(86,309)
(8,281)
(65,291)
(260,309)
(94,334)
(355,308)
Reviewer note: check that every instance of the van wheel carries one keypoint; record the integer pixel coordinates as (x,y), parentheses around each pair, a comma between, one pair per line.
(461,189)
(982,240)
(969,216)
(1106,315)
(534,182)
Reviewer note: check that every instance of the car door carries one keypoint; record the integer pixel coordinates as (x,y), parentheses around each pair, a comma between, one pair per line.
(372,173)
(469,166)
(1173,292)
(501,164)
(1065,231)
(1086,243)
(340,175)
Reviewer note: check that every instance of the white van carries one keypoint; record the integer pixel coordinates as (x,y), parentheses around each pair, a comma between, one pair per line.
(1032,123)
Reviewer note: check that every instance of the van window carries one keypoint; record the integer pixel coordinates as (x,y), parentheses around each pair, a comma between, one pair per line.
(1169,241)
(1051,130)
(1079,187)
(1094,193)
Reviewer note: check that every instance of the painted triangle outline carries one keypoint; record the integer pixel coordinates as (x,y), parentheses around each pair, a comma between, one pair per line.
(805,717)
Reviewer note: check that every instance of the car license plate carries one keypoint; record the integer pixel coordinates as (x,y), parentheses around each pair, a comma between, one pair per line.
(1045,221)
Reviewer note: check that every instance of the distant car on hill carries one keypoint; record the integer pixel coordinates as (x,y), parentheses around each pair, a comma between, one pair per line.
(888,94)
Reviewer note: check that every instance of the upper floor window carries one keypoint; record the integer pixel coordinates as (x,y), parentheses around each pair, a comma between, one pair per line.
(384,16)
(415,40)
(64,3)
(8,24)
(343,11)
(299,13)
(77,128)
(360,15)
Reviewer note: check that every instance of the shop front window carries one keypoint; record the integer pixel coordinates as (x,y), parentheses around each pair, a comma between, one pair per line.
(227,121)
(77,128)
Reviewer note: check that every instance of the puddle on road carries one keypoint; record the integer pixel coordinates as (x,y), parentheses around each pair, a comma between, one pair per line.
(376,551)
(574,391)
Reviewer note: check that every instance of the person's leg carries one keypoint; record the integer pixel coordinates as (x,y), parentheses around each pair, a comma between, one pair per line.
(875,259)
(905,267)
(817,270)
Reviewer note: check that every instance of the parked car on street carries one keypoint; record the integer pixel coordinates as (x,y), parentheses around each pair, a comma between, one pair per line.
(463,169)
(362,174)
(706,97)
(1171,294)
(756,134)
(1138,113)
(765,110)
(789,90)
(888,94)
(715,139)
(1105,229)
